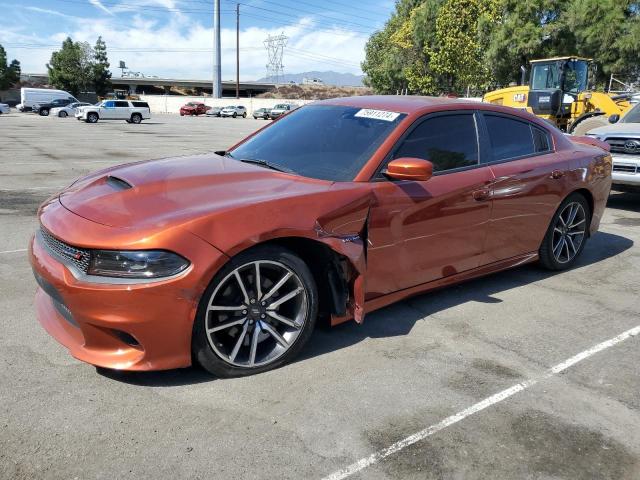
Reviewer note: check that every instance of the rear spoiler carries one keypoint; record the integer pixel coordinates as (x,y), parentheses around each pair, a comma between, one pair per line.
(586,140)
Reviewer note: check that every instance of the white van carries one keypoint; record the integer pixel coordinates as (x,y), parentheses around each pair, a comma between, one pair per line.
(38,96)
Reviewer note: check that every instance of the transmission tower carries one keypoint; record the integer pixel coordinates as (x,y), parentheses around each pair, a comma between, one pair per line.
(275,50)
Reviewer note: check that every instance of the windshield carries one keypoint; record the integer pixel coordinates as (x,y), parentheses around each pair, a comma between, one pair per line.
(545,76)
(327,142)
(633,115)
(280,106)
(230,107)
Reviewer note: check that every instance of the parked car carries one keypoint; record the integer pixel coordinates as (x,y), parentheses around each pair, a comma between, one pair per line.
(131,111)
(194,108)
(69,110)
(36,98)
(4,108)
(234,111)
(44,108)
(339,208)
(214,112)
(281,109)
(623,136)
(261,113)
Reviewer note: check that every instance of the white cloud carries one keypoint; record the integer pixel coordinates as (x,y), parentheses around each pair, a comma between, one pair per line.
(186,47)
(98,4)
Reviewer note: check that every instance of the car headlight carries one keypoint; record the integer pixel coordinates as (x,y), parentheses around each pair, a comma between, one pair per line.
(136,263)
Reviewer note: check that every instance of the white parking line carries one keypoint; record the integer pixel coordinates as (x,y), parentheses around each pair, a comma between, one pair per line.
(487,402)
(13,251)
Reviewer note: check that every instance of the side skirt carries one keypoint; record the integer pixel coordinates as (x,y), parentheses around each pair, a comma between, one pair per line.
(383,301)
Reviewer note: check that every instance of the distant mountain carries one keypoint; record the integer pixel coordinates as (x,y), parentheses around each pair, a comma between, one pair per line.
(329,78)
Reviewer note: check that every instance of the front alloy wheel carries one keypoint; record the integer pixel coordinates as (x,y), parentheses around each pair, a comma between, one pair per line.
(259,313)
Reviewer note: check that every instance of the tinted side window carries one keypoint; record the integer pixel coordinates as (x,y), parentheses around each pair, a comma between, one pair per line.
(446,141)
(509,138)
(122,104)
(140,104)
(541,140)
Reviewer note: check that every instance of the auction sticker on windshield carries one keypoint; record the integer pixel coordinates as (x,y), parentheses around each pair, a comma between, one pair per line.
(377,114)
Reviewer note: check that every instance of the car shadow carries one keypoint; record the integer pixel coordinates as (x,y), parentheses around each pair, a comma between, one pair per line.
(376,325)
(624,201)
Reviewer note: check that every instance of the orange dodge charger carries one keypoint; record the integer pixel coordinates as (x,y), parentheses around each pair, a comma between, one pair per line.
(336,209)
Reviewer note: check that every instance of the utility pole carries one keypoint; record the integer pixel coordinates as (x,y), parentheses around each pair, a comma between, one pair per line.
(217,73)
(237,50)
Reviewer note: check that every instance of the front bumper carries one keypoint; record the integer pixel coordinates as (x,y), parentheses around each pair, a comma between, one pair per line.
(141,326)
(626,170)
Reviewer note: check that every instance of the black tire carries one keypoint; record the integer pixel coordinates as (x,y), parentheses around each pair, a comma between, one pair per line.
(202,351)
(244,115)
(235,114)
(63,114)
(549,259)
(92,117)
(44,112)
(136,118)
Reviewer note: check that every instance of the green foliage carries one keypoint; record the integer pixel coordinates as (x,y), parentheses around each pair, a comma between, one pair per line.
(77,67)
(101,73)
(458,54)
(9,74)
(438,46)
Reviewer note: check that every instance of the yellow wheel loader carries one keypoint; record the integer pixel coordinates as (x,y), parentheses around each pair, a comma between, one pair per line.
(558,92)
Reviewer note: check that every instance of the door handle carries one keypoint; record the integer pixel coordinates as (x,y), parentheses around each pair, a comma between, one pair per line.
(481,195)
(556,174)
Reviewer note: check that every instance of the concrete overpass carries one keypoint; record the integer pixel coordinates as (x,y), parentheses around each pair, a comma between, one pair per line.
(143,85)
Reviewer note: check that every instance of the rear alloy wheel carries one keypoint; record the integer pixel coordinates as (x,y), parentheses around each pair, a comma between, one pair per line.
(92,117)
(567,234)
(257,313)
(136,118)
(44,112)
(63,114)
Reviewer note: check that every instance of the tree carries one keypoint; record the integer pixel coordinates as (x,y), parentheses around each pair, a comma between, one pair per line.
(9,74)
(606,30)
(459,49)
(68,67)
(436,46)
(101,73)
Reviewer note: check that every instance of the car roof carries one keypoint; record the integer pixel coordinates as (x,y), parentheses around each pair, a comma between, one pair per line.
(398,103)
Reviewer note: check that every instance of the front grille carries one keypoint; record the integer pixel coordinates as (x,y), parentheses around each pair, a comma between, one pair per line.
(624,168)
(75,256)
(617,145)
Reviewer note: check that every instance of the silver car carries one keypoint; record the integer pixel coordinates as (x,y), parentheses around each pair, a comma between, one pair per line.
(234,111)
(69,110)
(623,136)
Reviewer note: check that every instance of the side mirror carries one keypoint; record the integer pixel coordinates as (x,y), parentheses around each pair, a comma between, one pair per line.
(614,118)
(408,168)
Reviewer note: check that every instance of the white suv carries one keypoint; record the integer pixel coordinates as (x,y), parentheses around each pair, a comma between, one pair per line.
(234,111)
(624,139)
(132,111)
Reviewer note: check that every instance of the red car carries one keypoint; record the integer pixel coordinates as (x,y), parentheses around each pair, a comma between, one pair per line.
(335,210)
(194,108)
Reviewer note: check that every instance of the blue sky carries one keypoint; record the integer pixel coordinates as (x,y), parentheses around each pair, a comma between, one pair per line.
(173,38)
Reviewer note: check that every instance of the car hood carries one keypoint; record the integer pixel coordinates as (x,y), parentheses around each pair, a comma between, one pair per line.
(167,191)
(617,129)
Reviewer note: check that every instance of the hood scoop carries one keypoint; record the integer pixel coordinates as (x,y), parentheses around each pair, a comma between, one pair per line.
(117,183)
